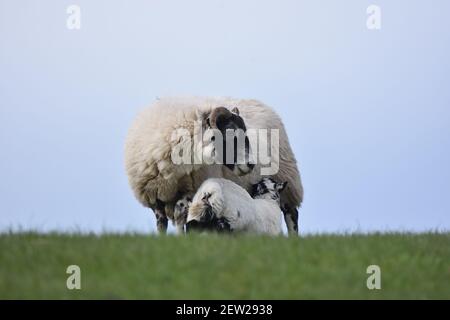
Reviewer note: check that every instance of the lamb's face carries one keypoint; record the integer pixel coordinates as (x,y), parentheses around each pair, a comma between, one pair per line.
(201,218)
(181,210)
(213,225)
(226,141)
(268,188)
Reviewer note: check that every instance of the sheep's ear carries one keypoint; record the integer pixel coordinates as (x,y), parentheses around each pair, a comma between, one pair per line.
(235,110)
(203,117)
(280,186)
(199,114)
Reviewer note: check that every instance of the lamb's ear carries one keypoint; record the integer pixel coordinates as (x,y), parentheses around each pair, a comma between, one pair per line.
(280,186)
(235,110)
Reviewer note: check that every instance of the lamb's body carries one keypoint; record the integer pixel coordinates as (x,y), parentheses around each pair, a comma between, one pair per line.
(157,182)
(228,201)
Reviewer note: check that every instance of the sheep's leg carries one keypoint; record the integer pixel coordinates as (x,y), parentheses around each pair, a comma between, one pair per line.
(161,218)
(291,219)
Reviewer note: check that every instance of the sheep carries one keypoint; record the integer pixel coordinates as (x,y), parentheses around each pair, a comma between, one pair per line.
(221,204)
(158,182)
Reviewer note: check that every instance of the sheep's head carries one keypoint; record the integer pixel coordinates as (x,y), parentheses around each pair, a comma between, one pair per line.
(228,142)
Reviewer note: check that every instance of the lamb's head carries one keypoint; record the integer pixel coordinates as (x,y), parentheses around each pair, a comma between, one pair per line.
(226,140)
(181,210)
(213,224)
(268,188)
(201,217)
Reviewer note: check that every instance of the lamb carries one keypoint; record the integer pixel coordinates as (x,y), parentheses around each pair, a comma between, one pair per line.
(221,204)
(158,182)
(180,212)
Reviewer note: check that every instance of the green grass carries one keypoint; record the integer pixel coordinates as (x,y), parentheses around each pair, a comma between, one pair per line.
(225,267)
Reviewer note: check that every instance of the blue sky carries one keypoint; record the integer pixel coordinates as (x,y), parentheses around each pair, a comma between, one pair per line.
(367,112)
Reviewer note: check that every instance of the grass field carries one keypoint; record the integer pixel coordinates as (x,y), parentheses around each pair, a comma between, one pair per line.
(225,267)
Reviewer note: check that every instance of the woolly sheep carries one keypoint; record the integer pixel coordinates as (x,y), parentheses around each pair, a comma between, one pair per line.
(158,183)
(221,204)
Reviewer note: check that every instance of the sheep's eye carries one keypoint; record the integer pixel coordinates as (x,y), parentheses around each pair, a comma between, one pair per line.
(213,138)
(182,205)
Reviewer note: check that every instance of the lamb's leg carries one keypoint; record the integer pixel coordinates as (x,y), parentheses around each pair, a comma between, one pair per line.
(180,228)
(180,217)
(291,219)
(161,218)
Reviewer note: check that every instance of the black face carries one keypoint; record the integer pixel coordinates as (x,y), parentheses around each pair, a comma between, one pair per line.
(209,222)
(231,121)
(235,141)
(268,188)
(242,168)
